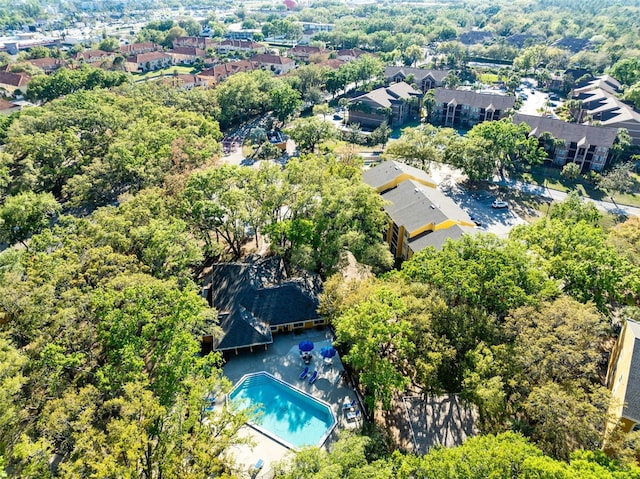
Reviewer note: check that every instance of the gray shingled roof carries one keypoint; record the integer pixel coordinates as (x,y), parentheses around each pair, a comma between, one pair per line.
(384,97)
(438,238)
(604,107)
(413,206)
(474,99)
(631,408)
(250,297)
(592,135)
(385,172)
(418,73)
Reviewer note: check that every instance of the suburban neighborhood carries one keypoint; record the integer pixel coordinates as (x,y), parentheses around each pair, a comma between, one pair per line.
(319,239)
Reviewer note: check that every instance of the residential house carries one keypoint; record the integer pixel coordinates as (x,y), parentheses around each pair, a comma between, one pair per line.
(623,377)
(305,53)
(95,56)
(186,55)
(332,63)
(600,105)
(242,46)
(194,42)
(7,107)
(349,54)
(146,62)
(394,105)
(187,82)
(424,79)
(139,48)
(465,108)
(419,215)
(254,300)
(276,63)
(224,70)
(14,83)
(307,36)
(48,65)
(586,145)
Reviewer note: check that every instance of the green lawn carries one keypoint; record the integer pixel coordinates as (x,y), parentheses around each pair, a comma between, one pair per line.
(551,177)
(166,71)
(488,78)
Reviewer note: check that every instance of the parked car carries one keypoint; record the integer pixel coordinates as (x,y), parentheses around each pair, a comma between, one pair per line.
(476,221)
(337,117)
(499,204)
(553,96)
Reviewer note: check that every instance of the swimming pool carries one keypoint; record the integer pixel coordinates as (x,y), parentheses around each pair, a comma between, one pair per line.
(286,414)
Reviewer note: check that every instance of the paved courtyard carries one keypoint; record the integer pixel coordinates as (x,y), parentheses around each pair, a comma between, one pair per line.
(282,360)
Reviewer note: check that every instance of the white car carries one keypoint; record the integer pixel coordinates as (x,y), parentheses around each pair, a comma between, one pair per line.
(498,204)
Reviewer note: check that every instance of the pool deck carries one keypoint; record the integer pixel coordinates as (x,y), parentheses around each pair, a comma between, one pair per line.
(282,360)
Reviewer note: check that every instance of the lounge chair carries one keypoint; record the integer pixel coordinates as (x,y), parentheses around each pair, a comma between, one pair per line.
(353,415)
(349,405)
(304,373)
(313,377)
(259,464)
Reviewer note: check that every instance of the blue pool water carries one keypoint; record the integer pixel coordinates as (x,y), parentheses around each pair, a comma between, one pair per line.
(292,416)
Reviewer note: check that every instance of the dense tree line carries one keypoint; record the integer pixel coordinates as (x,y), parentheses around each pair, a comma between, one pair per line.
(503,456)
(89,147)
(99,339)
(492,318)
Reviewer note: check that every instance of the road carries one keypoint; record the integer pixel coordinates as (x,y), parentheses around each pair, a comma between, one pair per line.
(555,195)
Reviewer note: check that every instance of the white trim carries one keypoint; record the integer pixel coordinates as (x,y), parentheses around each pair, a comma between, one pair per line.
(270,434)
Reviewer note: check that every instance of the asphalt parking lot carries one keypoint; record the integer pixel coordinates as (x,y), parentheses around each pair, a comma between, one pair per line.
(478,205)
(477,202)
(537,103)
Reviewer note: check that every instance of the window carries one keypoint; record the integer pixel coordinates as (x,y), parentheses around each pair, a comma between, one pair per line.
(273,329)
(298,325)
(636,427)
(318,322)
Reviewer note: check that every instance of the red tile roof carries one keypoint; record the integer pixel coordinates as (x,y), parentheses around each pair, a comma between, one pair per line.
(14,79)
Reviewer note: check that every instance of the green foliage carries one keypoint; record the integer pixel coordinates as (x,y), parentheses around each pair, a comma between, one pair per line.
(65,81)
(421,145)
(576,255)
(247,94)
(626,71)
(571,171)
(632,95)
(308,132)
(285,101)
(507,145)
(25,214)
(504,456)
(311,212)
(618,179)
(90,147)
(108,322)
(483,272)
(574,209)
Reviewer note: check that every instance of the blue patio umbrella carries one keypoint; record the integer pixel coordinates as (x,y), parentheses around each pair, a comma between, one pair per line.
(306,345)
(328,352)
